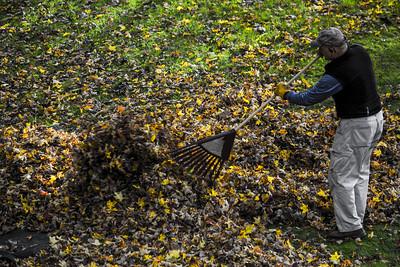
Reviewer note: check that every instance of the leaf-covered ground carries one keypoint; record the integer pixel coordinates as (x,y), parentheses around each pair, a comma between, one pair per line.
(95,94)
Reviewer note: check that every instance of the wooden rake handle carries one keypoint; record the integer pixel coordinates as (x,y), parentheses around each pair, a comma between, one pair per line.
(270,99)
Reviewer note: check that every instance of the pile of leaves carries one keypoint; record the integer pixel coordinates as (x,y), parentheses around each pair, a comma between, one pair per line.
(113,154)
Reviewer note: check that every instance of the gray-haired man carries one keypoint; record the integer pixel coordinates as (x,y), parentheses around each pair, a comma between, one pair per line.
(349,78)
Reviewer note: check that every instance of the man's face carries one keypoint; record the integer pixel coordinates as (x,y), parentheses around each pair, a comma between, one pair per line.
(327,52)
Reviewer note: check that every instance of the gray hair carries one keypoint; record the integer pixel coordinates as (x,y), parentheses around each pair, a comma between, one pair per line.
(331,37)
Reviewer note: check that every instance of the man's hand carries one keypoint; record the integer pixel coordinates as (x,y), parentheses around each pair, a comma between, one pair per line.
(281,89)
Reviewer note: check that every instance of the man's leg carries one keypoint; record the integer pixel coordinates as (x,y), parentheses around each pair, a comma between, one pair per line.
(363,155)
(344,198)
(361,188)
(342,180)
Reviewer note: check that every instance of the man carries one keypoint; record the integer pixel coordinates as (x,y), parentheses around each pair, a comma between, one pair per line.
(350,80)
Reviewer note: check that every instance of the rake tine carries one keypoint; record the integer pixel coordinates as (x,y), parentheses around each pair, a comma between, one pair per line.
(188,154)
(179,153)
(189,161)
(206,165)
(182,149)
(195,160)
(199,168)
(215,167)
(219,169)
(210,164)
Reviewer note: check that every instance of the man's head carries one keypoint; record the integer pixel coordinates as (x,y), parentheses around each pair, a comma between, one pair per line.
(331,43)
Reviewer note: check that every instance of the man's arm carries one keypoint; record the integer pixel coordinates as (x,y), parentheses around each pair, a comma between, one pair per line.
(324,88)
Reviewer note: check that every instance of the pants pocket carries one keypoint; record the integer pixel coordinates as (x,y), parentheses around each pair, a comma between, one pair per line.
(339,168)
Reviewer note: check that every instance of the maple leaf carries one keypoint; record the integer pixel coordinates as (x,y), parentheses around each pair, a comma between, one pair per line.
(112,48)
(335,257)
(245,232)
(111,206)
(304,208)
(322,193)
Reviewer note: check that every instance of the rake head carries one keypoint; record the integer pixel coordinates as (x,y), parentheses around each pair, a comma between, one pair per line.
(206,156)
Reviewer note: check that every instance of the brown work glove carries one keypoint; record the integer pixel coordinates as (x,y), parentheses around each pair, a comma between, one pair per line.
(281,89)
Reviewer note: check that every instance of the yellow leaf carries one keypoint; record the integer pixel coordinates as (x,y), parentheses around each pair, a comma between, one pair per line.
(186,21)
(377,153)
(322,193)
(25,205)
(174,254)
(153,137)
(68,250)
(375,164)
(185,64)
(166,182)
(25,132)
(112,48)
(4,26)
(306,83)
(335,257)
(304,208)
(111,206)
(245,232)
(41,70)
(180,113)
(285,154)
(213,193)
(87,107)
(152,214)
(376,199)
(371,234)
(53,178)
(278,232)
(57,84)
(282,132)
(96,235)
(288,244)
(161,237)
(162,202)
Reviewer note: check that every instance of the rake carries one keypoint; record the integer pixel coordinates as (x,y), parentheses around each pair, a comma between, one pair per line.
(207,156)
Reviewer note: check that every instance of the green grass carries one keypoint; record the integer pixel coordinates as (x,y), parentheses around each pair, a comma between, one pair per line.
(380,248)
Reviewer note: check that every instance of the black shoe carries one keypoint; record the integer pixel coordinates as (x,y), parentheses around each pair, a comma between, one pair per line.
(360,233)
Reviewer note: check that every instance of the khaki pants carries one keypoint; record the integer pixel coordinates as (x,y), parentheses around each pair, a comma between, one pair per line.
(350,167)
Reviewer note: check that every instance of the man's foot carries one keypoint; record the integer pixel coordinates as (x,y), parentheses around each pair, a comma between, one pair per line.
(360,233)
